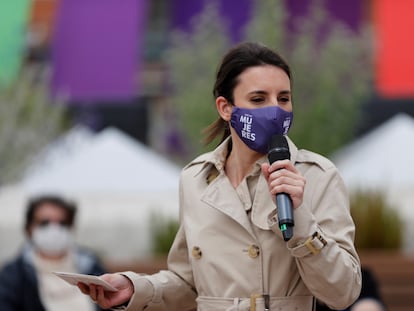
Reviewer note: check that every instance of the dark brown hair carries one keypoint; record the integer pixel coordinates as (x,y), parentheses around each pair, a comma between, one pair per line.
(36,202)
(237,60)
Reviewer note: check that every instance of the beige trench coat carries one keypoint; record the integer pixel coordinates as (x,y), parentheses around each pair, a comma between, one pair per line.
(222,258)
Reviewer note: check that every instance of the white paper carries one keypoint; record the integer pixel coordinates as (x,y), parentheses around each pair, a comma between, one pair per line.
(75,278)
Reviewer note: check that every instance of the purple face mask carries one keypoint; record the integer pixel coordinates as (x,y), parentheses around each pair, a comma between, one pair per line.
(256,126)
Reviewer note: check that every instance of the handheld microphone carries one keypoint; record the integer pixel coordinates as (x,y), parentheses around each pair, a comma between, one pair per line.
(279,150)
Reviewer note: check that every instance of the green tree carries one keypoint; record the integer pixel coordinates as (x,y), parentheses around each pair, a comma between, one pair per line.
(267,24)
(192,60)
(331,79)
(28,122)
(331,67)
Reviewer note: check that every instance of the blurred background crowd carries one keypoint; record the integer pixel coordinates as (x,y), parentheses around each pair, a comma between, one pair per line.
(103,102)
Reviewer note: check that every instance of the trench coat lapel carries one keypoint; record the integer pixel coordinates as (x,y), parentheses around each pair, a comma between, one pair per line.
(222,196)
(263,204)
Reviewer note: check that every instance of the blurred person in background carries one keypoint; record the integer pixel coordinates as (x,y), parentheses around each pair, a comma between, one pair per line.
(229,253)
(27,282)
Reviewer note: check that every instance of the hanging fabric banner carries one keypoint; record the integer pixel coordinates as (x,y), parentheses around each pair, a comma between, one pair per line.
(96,50)
(13,22)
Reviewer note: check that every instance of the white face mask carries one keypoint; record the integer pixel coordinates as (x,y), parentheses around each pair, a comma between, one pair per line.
(52,239)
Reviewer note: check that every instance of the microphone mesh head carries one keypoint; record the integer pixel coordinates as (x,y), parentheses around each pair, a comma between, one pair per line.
(278,141)
(278,148)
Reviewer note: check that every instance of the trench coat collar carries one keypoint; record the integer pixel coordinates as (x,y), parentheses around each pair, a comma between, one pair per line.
(221,195)
(218,156)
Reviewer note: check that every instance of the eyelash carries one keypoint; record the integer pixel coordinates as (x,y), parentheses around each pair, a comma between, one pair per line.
(284,99)
(259,100)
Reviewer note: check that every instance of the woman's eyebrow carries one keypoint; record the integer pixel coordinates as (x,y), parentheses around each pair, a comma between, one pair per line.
(286,92)
(262,92)
(258,92)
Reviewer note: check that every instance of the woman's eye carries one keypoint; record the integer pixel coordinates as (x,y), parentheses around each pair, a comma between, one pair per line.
(284,99)
(257,100)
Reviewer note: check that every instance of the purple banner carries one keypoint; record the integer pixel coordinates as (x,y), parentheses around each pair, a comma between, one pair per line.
(349,12)
(236,13)
(95,50)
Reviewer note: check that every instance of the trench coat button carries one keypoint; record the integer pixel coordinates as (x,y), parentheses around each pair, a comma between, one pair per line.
(196,252)
(253,251)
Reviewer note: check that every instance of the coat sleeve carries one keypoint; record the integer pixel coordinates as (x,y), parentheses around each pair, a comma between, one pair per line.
(323,242)
(168,290)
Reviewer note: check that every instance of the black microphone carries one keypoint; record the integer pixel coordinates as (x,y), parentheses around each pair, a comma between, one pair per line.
(279,150)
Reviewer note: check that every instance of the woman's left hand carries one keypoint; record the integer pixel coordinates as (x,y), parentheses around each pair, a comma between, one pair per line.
(283,177)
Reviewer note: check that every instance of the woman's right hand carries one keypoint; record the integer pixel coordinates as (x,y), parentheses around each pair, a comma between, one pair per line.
(108,299)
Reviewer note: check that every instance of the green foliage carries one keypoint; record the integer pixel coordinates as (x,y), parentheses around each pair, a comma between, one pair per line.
(192,60)
(331,78)
(28,122)
(331,67)
(267,24)
(378,225)
(163,231)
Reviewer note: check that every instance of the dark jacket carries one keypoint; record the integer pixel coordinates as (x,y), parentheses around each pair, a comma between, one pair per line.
(18,281)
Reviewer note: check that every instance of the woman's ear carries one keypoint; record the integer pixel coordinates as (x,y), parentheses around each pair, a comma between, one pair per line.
(224,108)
